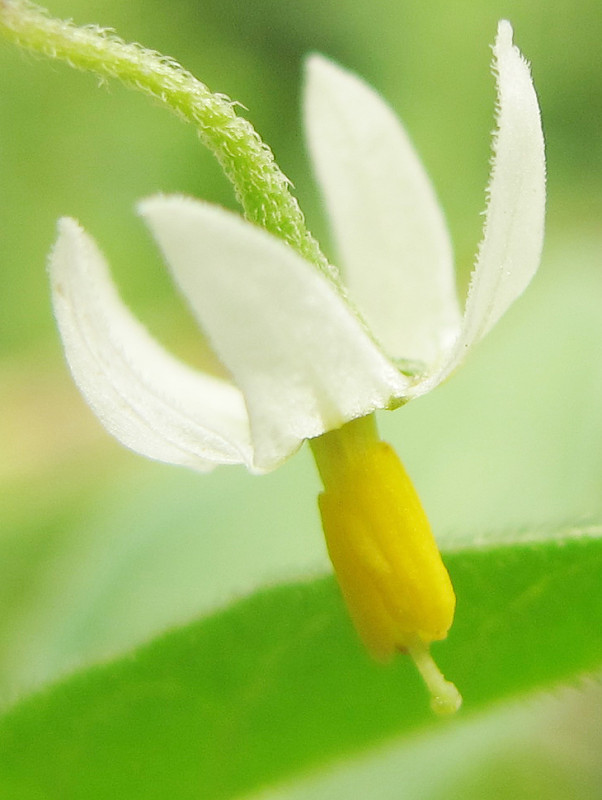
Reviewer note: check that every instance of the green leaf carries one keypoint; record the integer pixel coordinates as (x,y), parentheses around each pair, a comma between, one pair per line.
(277,684)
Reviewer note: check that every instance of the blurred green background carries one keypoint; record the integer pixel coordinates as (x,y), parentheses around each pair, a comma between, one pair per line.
(99,549)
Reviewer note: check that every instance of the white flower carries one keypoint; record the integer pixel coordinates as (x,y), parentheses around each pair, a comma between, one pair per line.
(303,361)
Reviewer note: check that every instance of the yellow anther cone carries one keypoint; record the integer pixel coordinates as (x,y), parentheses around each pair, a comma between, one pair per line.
(387,562)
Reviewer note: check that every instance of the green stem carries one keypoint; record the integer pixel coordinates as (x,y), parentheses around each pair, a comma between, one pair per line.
(260,186)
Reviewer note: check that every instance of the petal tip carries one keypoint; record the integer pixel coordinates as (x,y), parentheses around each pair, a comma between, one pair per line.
(504,34)
(311,59)
(147,205)
(315,62)
(68,227)
(323,72)
(152,207)
(161,207)
(70,236)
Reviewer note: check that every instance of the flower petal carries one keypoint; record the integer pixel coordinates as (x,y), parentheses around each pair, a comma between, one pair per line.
(302,359)
(147,399)
(510,252)
(514,225)
(389,229)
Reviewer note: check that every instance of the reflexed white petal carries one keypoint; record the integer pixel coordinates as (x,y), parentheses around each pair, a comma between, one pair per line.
(147,399)
(389,229)
(301,358)
(513,236)
(510,252)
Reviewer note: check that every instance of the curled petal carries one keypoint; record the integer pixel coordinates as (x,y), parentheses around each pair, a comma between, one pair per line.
(389,229)
(147,399)
(302,359)
(509,254)
(510,251)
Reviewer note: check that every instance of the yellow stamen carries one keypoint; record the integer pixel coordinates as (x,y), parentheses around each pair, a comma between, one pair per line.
(383,551)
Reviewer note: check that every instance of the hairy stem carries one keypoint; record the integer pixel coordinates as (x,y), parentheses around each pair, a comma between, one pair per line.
(260,185)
